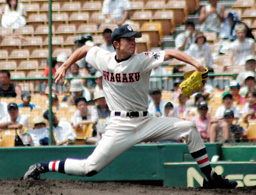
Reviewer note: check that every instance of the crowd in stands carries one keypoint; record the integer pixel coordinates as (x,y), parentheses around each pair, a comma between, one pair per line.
(222,114)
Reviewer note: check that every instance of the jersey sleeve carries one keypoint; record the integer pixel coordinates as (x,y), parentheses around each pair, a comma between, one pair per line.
(95,55)
(152,59)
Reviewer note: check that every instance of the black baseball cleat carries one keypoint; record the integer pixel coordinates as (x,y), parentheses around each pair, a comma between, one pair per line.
(219,182)
(34,172)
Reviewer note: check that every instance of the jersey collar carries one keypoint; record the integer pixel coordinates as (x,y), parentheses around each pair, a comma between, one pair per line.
(122,59)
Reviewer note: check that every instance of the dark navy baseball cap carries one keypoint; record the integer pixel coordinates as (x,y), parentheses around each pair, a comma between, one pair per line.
(202,104)
(124,31)
(12,105)
(229,112)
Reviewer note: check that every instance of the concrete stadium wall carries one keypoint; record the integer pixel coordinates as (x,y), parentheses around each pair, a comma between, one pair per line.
(141,162)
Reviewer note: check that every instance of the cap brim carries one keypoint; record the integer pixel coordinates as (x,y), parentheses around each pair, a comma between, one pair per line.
(132,34)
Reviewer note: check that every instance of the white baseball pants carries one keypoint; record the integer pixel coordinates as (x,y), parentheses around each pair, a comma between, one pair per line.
(124,132)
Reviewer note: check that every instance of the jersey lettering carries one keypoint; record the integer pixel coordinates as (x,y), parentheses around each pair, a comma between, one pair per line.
(121,77)
(125,80)
(112,79)
(118,77)
(131,80)
(137,76)
(106,75)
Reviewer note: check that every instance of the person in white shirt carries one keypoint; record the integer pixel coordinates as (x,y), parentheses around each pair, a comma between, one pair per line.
(83,115)
(107,45)
(211,17)
(201,50)
(39,133)
(241,47)
(14,120)
(170,110)
(249,110)
(77,90)
(227,99)
(14,15)
(250,65)
(248,83)
(74,71)
(116,11)
(186,38)
(64,133)
(156,106)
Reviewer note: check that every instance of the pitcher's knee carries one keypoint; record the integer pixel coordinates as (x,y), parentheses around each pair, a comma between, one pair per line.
(91,173)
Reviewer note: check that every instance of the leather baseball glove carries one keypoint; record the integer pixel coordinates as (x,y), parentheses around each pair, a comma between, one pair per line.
(193,82)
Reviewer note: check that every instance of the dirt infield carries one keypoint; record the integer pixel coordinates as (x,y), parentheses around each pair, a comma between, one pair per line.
(70,187)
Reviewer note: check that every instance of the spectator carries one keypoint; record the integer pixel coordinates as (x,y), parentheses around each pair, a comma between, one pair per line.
(211,17)
(185,39)
(241,47)
(98,80)
(249,83)
(156,106)
(107,45)
(14,120)
(229,25)
(100,110)
(63,130)
(76,89)
(26,98)
(192,106)
(7,89)
(116,11)
(170,110)
(249,110)
(202,121)
(74,71)
(83,115)
(46,70)
(234,90)
(39,133)
(228,28)
(61,58)
(81,40)
(226,132)
(227,99)
(14,15)
(201,50)
(250,65)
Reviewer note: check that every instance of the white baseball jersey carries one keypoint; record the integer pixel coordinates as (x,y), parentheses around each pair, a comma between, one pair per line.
(126,83)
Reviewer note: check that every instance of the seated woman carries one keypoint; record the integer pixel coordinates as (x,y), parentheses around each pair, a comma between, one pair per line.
(249,110)
(201,50)
(14,15)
